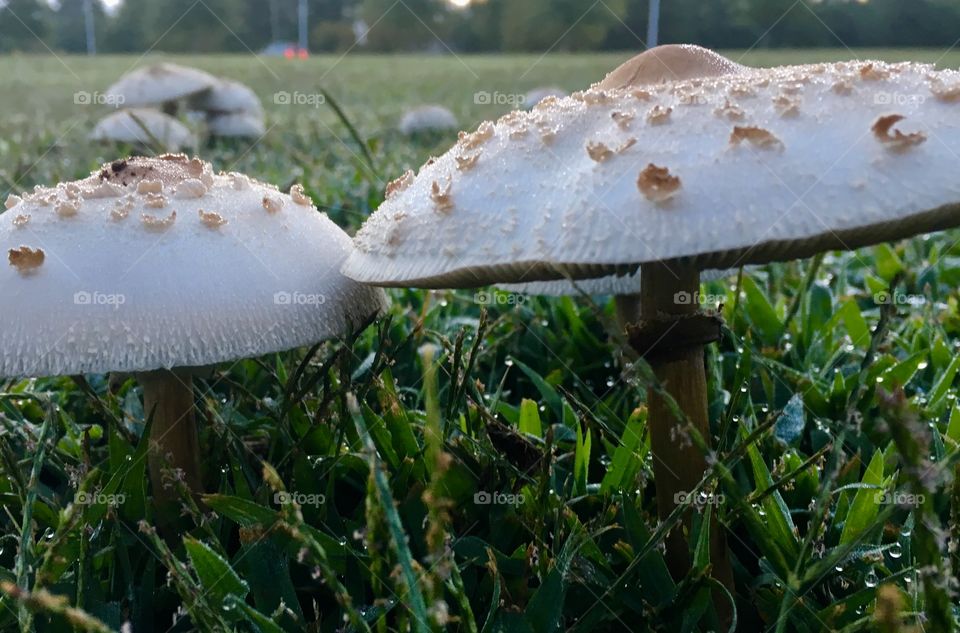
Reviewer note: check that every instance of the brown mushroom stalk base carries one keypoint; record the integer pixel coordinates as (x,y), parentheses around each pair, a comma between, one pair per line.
(670,336)
(174,444)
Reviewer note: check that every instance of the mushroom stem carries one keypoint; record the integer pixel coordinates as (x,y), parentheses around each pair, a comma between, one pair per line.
(628,310)
(669,293)
(168,402)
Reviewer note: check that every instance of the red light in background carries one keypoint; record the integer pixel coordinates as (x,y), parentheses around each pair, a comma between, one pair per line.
(288,53)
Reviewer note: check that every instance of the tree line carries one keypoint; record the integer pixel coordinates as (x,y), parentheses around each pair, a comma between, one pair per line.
(483,26)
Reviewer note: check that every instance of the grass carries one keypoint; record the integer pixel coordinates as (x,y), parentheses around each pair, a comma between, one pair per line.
(348,482)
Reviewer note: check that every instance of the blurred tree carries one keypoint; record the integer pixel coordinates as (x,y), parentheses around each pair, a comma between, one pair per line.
(69,29)
(559,25)
(25,25)
(412,25)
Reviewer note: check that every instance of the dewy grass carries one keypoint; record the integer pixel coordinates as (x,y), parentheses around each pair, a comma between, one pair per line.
(535,537)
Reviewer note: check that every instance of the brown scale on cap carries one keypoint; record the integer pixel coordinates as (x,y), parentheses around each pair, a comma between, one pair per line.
(730,111)
(622,119)
(756,136)
(272,204)
(12,201)
(25,259)
(169,169)
(896,140)
(870,72)
(211,219)
(68,208)
(476,139)
(658,184)
(441,196)
(299,196)
(21,220)
(599,152)
(787,106)
(947,94)
(659,115)
(400,184)
(466,162)
(121,209)
(158,224)
(842,87)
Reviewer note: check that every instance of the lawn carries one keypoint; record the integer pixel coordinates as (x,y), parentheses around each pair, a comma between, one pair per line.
(833,409)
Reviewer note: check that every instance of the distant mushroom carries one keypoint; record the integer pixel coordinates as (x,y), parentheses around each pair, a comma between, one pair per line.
(163,268)
(231,110)
(227,96)
(698,191)
(143,126)
(236,125)
(159,85)
(427,118)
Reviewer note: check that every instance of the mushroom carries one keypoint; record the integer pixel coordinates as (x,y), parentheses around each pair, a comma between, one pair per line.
(161,85)
(121,286)
(142,126)
(236,125)
(669,63)
(227,96)
(535,96)
(427,118)
(696,192)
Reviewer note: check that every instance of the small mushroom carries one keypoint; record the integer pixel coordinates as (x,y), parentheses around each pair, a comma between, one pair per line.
(427,119)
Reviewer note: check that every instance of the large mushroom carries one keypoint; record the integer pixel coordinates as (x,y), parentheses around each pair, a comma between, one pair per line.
(158,266)
(748,167)
(160,85)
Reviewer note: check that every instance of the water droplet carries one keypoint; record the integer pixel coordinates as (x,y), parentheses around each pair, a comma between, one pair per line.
(508,362)
(895,551)
(871,579)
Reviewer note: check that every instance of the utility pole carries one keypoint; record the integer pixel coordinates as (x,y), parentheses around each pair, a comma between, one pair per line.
(302,18)
(653,24)
(89,27)
(274,20)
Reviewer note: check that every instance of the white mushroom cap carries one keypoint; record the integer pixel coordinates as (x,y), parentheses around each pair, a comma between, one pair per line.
(428,118)
(159,263)
(123,127)
(229,96)
(759,166)
(537,95)
(159,83)
(609,285)
(236,125)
